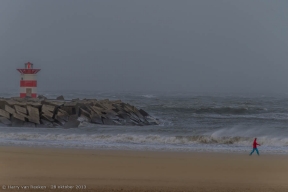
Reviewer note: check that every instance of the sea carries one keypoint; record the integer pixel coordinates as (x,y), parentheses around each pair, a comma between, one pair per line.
(188,122)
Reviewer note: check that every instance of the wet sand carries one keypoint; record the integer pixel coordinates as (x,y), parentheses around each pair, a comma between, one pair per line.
(135,171)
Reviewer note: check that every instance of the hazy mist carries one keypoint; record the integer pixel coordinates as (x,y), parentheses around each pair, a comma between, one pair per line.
(149,45)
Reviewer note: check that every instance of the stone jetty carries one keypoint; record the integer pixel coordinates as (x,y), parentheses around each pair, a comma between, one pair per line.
(43,112)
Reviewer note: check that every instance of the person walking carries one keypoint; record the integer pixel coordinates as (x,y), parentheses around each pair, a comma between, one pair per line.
(255,147)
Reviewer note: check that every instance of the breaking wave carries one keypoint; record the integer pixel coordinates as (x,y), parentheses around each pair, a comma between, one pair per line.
(150,139)
(148,96)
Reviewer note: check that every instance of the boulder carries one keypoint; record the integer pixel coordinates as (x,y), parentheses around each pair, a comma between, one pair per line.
(46,107)
(4,114)
(60,97)
(34,104)
(5,121)
(33,111)
(42,97)
(99,105)
(2,103)
(47,114)
(45,123)
(108,121)
(96,110)
(69,110)
(16,122)
(90,101)
(117,122)
(104,101)
(108,106)
(20,110)
(143,113)
(9,109)
(34,119)
(54,103)
(70,104)
(12,102)
(61,114)
(83,112)
(60,120)
(46,118)
(19,117)
(57,125)
(72,122)
(95,118)
(33,114)
(110,114)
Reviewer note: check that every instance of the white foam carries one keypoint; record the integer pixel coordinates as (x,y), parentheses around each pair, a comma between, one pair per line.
(148,96)
(213,142)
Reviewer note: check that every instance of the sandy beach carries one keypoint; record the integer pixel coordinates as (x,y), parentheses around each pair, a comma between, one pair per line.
(35,169)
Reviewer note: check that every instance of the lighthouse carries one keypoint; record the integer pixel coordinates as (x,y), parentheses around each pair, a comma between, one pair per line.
(28,81)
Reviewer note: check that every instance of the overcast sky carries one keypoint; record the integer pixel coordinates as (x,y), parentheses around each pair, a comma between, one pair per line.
(147,45)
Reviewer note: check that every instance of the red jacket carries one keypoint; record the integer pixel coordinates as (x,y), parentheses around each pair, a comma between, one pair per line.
(255,144)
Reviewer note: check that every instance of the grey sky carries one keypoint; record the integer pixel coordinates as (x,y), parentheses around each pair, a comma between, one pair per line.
(223,46)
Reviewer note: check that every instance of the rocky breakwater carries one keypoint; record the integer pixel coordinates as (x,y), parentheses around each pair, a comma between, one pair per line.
(43,112)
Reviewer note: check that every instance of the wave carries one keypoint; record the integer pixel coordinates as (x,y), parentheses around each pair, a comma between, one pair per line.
(262,116)
(216,110)
(151,139)
(148,96)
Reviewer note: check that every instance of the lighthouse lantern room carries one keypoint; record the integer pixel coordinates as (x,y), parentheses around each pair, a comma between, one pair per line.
(28,82)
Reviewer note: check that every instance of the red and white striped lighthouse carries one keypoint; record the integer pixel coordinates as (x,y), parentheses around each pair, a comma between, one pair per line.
(28,82)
